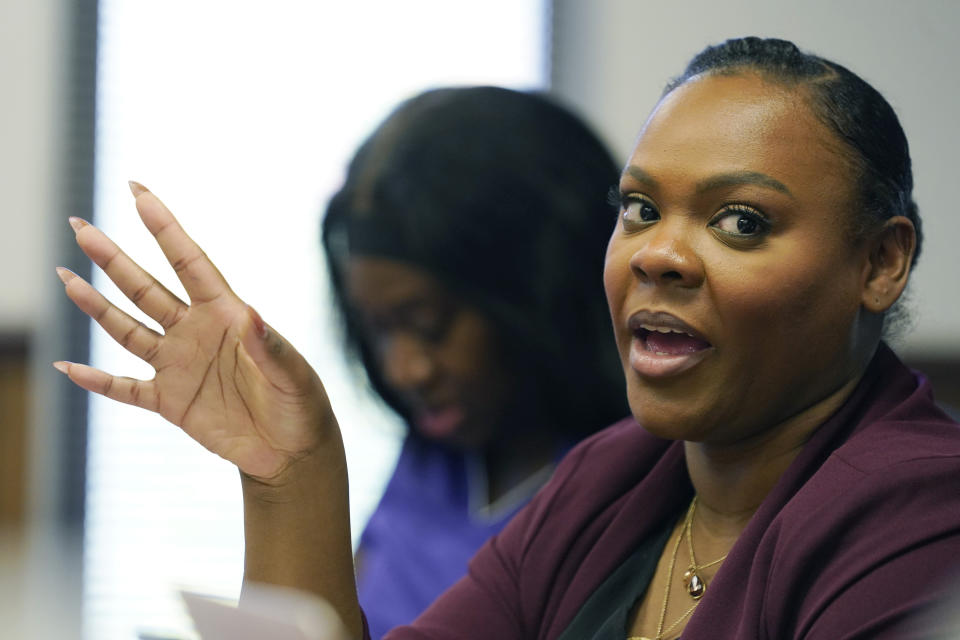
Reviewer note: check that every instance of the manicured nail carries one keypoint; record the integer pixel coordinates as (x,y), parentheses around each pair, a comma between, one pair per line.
(77,223)
(258,324)
(62,366)
(65,274)
(136,188)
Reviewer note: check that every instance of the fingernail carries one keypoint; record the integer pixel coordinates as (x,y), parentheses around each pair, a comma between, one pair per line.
(65,274)
(136,188)
(77,223)
(62,366)
(258,324)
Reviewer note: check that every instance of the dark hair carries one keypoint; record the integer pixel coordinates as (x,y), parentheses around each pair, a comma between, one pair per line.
(500,196)
(852,109)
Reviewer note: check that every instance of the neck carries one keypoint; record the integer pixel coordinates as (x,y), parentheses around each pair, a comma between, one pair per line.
(732,479)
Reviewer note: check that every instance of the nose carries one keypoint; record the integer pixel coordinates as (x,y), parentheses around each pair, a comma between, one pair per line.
(665,256)
(406,362)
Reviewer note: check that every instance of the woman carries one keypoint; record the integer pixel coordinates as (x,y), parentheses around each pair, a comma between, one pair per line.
(497,365)
(791,478)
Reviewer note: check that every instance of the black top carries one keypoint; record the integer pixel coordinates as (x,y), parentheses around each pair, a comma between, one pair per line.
(604,615)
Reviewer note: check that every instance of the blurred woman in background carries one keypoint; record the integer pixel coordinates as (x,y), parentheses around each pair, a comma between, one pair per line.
(465,250)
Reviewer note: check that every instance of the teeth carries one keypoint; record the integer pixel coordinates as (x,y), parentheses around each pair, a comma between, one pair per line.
(662,330)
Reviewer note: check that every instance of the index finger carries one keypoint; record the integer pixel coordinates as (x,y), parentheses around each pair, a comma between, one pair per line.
(201,279)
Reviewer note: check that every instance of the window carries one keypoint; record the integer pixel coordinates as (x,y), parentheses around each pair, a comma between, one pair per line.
(241,116)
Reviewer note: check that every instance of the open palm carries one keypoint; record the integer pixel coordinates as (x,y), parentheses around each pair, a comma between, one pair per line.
(222,375)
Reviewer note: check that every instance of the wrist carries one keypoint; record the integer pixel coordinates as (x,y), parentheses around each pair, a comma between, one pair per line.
(321,470)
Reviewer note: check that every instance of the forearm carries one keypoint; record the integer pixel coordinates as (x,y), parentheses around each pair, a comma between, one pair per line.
(297,532)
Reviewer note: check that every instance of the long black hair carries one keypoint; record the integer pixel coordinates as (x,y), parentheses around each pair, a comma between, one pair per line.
(500,196)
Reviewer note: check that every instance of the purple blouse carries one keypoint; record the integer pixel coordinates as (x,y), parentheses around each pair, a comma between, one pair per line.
(431,519)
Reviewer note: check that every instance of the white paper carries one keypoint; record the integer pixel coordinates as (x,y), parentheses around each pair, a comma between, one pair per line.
(264,611)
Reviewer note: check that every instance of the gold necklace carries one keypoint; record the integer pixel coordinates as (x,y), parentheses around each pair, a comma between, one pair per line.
(694,578)
(695,584)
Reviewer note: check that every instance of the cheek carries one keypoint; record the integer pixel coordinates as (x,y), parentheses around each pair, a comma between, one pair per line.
(616,283)
(472,357)
(792,306)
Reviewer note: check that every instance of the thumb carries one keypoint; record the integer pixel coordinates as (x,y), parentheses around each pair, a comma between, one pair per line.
(276,358)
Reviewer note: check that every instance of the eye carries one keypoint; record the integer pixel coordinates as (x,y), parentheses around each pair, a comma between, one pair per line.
(637,212)
(430,325)
(741,222)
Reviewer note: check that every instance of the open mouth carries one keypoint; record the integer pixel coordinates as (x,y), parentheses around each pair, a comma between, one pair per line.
(669,342)
(663,345)
(440,423)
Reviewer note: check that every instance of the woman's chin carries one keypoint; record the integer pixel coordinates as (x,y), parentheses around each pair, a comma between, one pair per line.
(669,423)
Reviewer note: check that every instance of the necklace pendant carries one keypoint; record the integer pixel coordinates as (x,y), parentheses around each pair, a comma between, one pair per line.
(695,585)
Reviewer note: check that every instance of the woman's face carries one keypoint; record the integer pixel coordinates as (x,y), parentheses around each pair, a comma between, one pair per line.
(733,283)
(440,357)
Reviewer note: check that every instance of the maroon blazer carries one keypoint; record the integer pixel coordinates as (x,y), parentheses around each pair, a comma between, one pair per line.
(858,539)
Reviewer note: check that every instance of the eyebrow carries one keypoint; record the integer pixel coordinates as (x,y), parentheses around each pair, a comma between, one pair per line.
(731,179)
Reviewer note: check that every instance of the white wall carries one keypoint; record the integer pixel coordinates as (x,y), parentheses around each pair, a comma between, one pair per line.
(33,61)
(613,57)
(40,573)
(30,74)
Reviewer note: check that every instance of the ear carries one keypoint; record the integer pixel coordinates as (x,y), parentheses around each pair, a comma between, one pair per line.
(888,269)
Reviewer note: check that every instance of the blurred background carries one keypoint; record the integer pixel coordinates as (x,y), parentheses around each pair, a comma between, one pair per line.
(241,116)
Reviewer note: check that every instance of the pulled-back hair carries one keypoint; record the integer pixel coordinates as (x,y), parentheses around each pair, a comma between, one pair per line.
(500,196)
(853,110)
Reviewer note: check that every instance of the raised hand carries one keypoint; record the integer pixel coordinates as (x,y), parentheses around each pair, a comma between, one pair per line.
(222,375)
